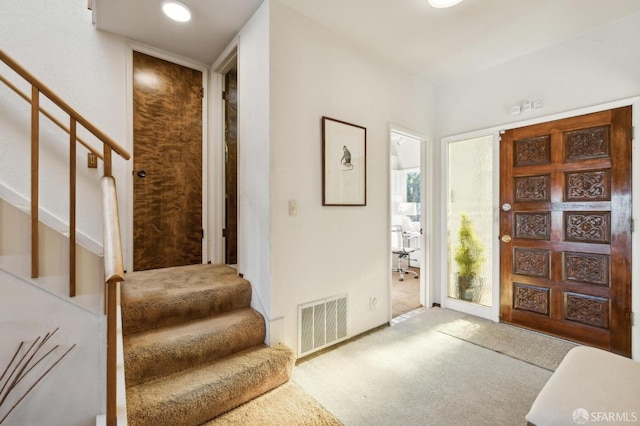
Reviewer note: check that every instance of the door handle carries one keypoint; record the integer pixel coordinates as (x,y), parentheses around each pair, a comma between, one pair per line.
(505,238)
(142,173)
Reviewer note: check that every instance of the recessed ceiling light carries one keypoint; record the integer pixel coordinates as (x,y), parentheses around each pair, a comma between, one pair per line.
(441,4)
(176,10)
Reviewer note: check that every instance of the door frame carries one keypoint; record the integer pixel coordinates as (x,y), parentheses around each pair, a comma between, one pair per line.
(127,228)
(634,102)
(217,206)
(426,215)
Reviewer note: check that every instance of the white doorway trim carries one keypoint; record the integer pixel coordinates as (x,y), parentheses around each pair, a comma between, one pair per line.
(426,216)
(223,64)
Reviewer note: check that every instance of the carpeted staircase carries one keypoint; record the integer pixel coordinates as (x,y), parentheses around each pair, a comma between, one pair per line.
(193,348)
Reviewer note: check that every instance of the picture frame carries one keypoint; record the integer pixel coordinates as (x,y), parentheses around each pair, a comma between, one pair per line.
(344,163)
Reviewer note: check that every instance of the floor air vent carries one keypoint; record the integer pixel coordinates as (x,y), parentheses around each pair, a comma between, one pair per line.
(321,323)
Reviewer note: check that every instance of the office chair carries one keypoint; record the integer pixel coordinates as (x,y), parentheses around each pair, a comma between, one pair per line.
(402,252)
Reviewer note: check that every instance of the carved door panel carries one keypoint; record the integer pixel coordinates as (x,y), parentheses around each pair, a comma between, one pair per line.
(565,254)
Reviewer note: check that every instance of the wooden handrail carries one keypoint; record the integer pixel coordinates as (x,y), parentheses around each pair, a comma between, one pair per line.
(64,106)
(109,145)
(113,263)
(50,116)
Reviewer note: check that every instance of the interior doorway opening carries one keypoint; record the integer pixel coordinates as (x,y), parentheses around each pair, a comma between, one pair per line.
(230,97)
(407,223)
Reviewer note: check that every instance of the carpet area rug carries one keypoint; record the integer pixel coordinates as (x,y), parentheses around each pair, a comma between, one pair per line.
(528,346)
(285,405)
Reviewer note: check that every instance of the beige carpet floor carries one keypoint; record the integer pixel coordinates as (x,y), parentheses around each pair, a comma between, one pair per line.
(412,374)
(285,405)
(405,295)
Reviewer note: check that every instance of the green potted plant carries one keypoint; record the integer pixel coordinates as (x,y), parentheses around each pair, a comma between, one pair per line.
(469,257)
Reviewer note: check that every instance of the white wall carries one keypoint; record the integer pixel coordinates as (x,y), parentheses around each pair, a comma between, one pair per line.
(56,41)
(15,258)
(599,67)
(69,395)
(596,68)
(326,251)
(254,233)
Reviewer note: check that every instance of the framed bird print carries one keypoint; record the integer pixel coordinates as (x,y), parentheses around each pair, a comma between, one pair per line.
(344,163)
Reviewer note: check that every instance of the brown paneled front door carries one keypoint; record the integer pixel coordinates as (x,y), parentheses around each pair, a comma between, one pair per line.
(167,161)
(565,228)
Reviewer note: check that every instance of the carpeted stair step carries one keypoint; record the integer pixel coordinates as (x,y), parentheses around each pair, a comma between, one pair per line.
(194,396)
(163,297)
(167,350)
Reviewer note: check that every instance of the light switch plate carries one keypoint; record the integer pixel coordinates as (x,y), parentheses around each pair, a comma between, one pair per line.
(92,161)
(293,208)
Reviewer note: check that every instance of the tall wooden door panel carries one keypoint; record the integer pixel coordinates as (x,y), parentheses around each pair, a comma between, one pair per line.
(167,161)
(565,226)
(231,167)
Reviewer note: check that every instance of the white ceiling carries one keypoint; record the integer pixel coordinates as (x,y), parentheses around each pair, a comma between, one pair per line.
(212,28)
(438,44)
